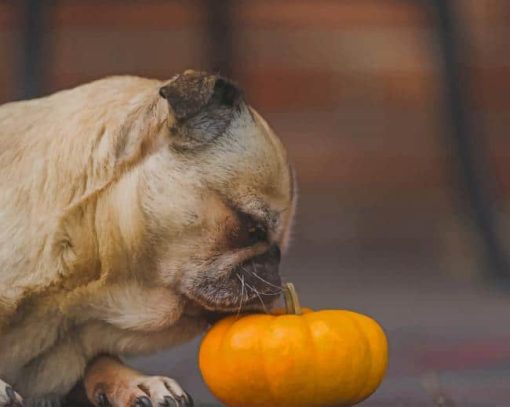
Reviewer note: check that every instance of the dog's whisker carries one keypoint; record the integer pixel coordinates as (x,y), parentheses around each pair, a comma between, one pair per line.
(264,281)
(260,298)
(271,294)
(268,293)
(241,298)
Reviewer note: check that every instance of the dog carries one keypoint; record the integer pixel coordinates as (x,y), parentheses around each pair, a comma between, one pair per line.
(132,211)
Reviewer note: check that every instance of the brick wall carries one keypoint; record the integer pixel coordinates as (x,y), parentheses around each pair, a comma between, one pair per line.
(352,86)
(9,55)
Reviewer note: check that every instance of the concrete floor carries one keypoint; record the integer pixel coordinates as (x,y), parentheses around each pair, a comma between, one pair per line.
(449,341)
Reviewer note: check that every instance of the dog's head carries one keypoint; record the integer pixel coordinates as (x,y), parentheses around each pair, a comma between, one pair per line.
(218,200)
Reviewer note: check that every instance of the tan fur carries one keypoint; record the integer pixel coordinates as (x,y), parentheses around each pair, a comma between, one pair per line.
(108,378)
(106,227)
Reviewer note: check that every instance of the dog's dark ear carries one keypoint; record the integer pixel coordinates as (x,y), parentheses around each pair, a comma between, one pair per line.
(202,106)
(189,93)
(225,92)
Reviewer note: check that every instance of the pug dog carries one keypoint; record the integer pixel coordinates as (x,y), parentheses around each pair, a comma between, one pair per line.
(132,210)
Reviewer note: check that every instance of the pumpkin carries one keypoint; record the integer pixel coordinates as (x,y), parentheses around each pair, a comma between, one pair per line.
(297,359)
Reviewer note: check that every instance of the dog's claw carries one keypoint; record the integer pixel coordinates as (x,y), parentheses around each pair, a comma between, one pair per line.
(169,402)
(143,401)
(14,400)
(10,394)
(185,400)
(102,400)
(189,400)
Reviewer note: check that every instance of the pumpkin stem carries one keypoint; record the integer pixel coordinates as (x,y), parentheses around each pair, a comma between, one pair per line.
(291,299)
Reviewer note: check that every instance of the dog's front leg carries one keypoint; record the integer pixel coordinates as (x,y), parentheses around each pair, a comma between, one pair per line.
(108,382)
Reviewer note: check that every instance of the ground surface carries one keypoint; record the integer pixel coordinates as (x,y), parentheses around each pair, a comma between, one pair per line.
(449,335)
(449,338)
(450,342)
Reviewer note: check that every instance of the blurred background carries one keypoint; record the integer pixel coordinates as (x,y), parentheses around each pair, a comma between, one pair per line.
(396,116)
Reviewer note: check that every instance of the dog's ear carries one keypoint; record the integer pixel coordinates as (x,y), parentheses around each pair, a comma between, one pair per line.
(202,105)
(187,94)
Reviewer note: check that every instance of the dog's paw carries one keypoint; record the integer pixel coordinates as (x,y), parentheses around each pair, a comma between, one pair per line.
(144,391)
(8,397)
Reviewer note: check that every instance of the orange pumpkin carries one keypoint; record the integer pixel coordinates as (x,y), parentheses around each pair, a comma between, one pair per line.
(303,359)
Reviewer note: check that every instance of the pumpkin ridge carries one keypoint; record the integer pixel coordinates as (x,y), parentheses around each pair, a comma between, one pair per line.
(205,351)
(263,354)
(222,344)
(381,334)
(367,374)
(225,346)
(305,322)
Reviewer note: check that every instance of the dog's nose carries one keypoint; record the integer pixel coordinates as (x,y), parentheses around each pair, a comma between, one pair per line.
(268,262)
(262,271)
(275,253)
(271,257)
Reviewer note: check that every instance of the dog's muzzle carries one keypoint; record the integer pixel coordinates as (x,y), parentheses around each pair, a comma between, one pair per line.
(253,284)
(261,272)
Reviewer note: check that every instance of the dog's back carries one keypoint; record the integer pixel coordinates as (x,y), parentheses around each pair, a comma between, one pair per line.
(45,150)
